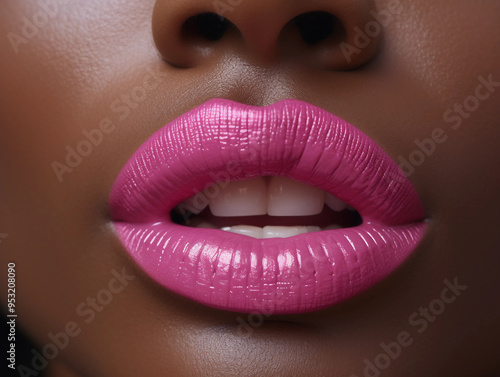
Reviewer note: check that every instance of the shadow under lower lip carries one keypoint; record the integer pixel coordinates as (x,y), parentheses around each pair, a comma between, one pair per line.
(344,219)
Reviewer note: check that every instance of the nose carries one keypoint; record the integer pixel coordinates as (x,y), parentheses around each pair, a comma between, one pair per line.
(324,34)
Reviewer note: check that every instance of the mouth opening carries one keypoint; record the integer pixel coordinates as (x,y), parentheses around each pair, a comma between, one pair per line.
(265,207)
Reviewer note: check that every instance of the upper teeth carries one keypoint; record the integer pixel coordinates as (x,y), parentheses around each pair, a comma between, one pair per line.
(275,196)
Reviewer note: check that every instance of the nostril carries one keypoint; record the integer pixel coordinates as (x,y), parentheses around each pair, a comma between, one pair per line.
(316,26)
(209,26)
(265,34)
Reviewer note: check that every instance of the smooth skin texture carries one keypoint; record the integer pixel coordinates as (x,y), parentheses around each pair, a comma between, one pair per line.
(81,69)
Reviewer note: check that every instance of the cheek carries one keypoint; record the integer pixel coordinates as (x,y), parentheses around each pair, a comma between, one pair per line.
(59,74)
(446,44)
(58,78)
(448,51)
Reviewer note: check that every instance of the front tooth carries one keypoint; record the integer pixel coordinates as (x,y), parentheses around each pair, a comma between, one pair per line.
(240,198)
(246,230)
(283,231)
(287,197)
(335,203)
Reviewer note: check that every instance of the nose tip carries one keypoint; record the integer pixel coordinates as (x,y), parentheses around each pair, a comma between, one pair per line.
(317,33)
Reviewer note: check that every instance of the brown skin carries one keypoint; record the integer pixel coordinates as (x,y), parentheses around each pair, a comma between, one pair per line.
(63,81)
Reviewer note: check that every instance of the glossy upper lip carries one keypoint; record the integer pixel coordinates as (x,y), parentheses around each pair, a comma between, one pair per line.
(224,140)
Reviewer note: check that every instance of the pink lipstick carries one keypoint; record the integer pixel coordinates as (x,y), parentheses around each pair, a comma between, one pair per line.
(223,141)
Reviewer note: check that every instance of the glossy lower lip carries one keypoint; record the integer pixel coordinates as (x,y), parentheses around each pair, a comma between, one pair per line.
(223,140)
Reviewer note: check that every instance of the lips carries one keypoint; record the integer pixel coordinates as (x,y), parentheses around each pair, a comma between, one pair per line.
(222,141)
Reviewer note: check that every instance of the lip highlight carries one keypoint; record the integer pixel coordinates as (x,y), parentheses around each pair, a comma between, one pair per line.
(223,140)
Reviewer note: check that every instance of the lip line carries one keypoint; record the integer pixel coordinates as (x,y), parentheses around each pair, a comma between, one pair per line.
(194,149)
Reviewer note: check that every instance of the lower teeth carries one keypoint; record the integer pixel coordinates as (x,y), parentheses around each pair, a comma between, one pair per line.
(271,231)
